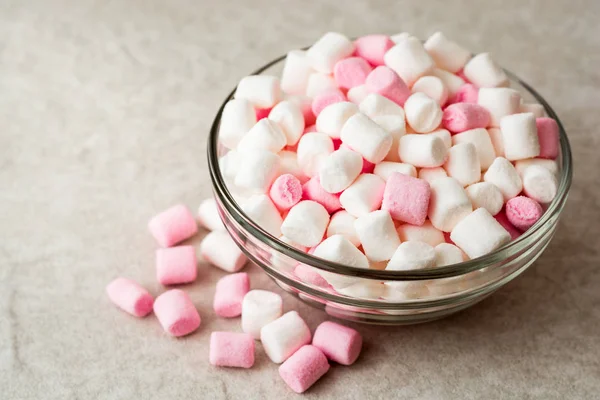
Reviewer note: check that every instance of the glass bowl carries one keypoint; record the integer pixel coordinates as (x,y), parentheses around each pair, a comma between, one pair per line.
(408,296)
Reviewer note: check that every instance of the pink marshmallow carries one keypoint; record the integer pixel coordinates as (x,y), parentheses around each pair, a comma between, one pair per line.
(548,136)
(229,294)
(229,349)
(385,82)
(176,313)
(461,117)
(176,265)
(312,190)
(285,192)
(325,99)
(503,220)
(130,297)
(351,72)
(373,47)
(467,93)
(304,368)
(523,212)
(262,113)
(406,198)
(308,274)
(338,342)
(173,226)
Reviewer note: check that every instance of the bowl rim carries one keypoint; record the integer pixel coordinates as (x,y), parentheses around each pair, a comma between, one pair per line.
(501,254)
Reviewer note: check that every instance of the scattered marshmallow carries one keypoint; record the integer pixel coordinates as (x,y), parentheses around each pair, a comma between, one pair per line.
(238,117)
(130,297)
(219,249)
(406,198)
(447,254)
(499,102)
(412,256)
(258,170)
(176,313)
(296,70)
(425,233)
(259,308)
(431,174)
(409,60)
(229,349)
(263,91)
(548,136)
(364,195)
(313,148)
(285,192)
(506,178)
(261,210)
(479,234)
(460,117)
(385,82)
(342,223)
(523,212)
(449,204)
(304,368)
(313,190)
(378,235)
(433,87)
(423,113)
(333,117)
(375,105)
(208,215)
(173,225)
(539,184)
(339,170)
(483,71)
(284,336)
(289,117)
(367,138)
(351,72)
(229,294)
(339,343)
(463,164)
(176,265)
(319,83)
(386,168)
(423,151)
(446,54)
(306,223)
(328,50)
(486,195)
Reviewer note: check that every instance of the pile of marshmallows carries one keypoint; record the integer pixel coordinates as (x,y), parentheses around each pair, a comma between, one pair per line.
(388,153)
(286,338)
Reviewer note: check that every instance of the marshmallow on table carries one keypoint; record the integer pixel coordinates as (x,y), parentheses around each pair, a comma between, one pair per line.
(229,349)
(175,265)
(548,136)
(423,151)
(483,71)
(412,256)
(463,164)
(385,82)
(479,233)
(258,169)
(340,250)
(539,184)
(396,127)
(534,108)
(288,164)
(425,233)
(480,138)
(519,135)
(486,195)
(449,203)
(304,368)
(284,336)
(351,72)
(446,54)
(375,105)
(452,82)
(325,99)
(497,141)
(339,343)
(219,249)
(176,313)
(373,47)
(313,148)
(431,174)
(364,289)
(237,118)
(339,170)
(130,297)
(367,138)
(357,94)
(263,91)
(447,254)
(173,225)
(550,165)
(523,212)
(460,117)
(386,168)
(342,223)
(364,195)
(499,102)
(208,215)
(286,192)
(510,228)
(506,178)
(378,235)
(289,117)
(320,83)
(229,293)
(261,210)
(312,190)
(433,87)
(306,223)
(409,60)
(328,50)
(333,117)
(423,114)
(467,93)
(296,71)
(266,135)
(406,198)
(259,308)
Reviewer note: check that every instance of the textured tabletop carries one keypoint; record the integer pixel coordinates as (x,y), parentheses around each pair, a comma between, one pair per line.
(105,108)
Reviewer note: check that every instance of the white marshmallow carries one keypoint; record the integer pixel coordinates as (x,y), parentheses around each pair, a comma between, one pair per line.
(425,233)
(462,163)
(328,50)
(296,71)
(306,223)
(483,72)
(378,235)
(342,223)
(367,138)
(219,249)
(399,37)
(444,135)
(263,91)
(423,114)
(396,127)
(446,54)
(520,137)
(386,168)
(550,165)
(339,170)
(258,169)
(433,87)
(333,117)
(375,105)
(364,195)
(451,81)
(499,102)
(208,215)
(313,148)
(447,254)
(479,234)
(412,256)
(357,94)
(506,178)
(259,308)
(536,109)
(288,116)
(339,249)
(497,142)
(485,195)
(540,184)
(431,174)
(404,290)
(229,163)
(282,337)
(423,151)
(263,212)
(265,135)
(237,119)
(409,60)
(480,138)
(365,289)
(319,83)
(289,165)
(448,204)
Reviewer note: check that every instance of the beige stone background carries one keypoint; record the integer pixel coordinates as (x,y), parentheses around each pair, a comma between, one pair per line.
(105,108)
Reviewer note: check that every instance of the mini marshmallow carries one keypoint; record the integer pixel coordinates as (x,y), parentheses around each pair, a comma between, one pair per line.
(367,138)
(219,249)
(351,72)
(328,50)
(261,210)
(404,290)
(452,82)
(306,223)
(463,163)
(309,275)
(426,151)
(534,108)
(479,234)
(130,297)
(284,336)
(364,195)
(447,254)
(519,135)
(506,178)
(386,168)
(176,313)
(378,235)
(338,342)
(288,164)
(325,99)
(499,102)
(229,163)
(523,212)
(375,105)
(461,117)
(285,192)
(339,170)
(258,169)
(312,190)
(396,127)
(365,289)
(406,198)
(483,144)
(539,184)
(305,104)
(265,135)
(446,54)
(550,165)
(296,70)
(373,47)
(467,93)
(229,293)
(313,148)
(259,308)
(208,215)
(288,116)
(449,203)
(510,228)
(409,60)
(431,174)
(485,195)
(412,256)
(385,82)
(342,223)
(357,94)
(433,87)
(497,141)
(263,91)
(238,117)
(425,233)
(304,368)
(483,71)
(319,83)
(333,117)
(444,135)
(399,37)
(229,349)
(176,265)
(340,250)
(548,136)
(423,114)
(173,225)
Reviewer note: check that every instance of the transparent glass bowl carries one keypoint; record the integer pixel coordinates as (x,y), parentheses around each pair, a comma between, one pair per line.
(410,296)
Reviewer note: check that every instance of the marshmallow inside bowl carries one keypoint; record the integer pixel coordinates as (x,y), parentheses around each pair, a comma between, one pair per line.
(384,261)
